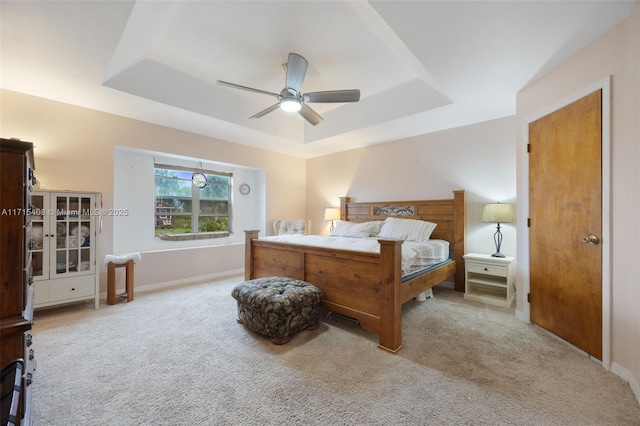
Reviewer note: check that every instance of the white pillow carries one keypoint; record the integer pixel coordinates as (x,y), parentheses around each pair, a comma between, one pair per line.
(406,229)
(376,226)
(353,230)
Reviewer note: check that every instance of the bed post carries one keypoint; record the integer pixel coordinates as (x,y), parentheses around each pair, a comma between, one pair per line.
(343,207)
(459,234)
(391,307)
(249,236)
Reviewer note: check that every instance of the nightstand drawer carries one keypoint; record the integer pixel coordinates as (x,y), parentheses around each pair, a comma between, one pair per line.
(479,268)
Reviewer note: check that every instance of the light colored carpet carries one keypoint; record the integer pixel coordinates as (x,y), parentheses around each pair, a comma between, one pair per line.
(179,357)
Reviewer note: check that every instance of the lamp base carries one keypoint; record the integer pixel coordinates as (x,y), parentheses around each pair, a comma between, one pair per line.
(497,238)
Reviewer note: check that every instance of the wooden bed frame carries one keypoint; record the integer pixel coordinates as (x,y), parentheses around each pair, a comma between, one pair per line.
(367,286)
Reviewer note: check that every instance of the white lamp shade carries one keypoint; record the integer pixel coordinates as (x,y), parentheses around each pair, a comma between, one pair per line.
(332,213)
(497,213)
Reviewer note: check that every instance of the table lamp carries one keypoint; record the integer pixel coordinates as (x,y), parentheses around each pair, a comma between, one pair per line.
(332,213)
(497,213)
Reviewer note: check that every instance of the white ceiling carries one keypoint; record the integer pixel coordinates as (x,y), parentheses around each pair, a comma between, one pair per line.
(421,66)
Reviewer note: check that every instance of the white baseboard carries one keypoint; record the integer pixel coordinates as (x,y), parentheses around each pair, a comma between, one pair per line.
(635,387)
(174,283)
(626,375)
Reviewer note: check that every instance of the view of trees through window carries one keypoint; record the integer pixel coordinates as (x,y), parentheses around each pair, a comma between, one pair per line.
(182,208)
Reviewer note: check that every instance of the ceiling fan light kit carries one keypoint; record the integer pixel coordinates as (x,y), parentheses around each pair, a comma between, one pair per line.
(290,105)
(291,99)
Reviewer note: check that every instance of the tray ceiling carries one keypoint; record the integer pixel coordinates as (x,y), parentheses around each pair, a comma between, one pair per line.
(421,66)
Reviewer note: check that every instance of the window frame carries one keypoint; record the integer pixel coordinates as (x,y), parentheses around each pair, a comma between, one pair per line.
(195,205)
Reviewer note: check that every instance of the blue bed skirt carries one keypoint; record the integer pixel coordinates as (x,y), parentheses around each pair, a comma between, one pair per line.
(425,270)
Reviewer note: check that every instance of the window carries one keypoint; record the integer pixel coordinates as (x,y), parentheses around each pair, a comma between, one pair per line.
(181,208)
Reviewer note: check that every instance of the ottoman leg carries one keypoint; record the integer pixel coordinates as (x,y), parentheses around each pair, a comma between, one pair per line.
(280,340)
(314,326)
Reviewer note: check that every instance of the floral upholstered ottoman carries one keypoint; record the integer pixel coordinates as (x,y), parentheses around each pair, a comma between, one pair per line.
(277,306)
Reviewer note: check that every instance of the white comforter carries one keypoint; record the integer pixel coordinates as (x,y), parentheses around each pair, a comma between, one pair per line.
(415,255)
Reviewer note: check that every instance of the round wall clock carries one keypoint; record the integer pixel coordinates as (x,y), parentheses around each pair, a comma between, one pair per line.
(245,189)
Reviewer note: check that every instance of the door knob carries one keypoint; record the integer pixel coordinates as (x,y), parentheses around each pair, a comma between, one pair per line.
(591,239)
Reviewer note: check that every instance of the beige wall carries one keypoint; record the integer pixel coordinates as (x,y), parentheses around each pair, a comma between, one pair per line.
(478,158)
(616,54)
(74,150)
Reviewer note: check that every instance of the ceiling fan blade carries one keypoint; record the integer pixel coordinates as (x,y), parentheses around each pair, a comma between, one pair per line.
(310,115)
(333,96)
(250,89)
(296,70)
(266,111)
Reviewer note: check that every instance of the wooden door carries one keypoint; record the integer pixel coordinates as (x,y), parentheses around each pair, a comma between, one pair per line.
(565,212)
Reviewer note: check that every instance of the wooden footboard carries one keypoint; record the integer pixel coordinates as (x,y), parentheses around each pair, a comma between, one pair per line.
(364,286)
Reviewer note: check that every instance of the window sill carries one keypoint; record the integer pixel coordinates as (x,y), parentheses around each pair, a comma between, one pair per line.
(189,237)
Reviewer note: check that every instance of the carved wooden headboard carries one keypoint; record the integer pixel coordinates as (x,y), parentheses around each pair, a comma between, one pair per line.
(449,215)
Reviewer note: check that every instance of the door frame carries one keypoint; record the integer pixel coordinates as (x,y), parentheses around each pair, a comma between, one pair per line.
(523,211)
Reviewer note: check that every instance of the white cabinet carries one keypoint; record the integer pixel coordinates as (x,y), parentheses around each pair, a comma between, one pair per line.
(490,279)
(63,245)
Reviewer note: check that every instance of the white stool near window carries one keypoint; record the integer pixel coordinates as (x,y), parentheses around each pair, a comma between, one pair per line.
(113,261)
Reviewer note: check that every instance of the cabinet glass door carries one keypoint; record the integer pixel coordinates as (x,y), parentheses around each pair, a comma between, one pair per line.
(74,250)
(39,236)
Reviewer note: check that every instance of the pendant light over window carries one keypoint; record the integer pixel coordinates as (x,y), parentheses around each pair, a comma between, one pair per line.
(199,179)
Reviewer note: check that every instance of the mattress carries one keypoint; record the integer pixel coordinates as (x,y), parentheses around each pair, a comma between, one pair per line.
(416,255)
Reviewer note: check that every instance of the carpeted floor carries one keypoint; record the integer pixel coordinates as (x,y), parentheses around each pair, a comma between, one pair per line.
(179,357)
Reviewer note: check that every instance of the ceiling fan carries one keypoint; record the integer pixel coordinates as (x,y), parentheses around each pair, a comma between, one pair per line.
(291,99)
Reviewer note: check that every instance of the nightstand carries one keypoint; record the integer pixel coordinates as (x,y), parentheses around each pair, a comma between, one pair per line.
(490,279)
